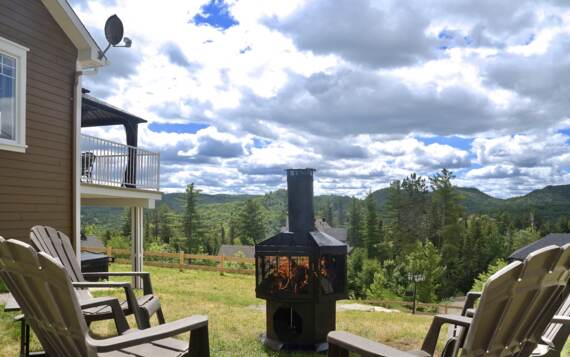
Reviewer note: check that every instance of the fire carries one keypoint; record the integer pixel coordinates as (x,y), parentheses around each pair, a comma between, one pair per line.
(289,274)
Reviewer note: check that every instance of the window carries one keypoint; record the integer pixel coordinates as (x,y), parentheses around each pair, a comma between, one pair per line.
(12,96)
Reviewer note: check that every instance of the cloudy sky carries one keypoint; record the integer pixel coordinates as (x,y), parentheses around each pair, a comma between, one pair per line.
(365,91)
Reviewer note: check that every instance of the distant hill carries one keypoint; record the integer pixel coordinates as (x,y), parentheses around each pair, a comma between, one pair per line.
(476,201)
(176,201)
(549,202)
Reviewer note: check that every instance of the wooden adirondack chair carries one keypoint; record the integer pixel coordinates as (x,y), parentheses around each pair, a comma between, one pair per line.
(58,245)
(556,334)
(516,305)
(41,286)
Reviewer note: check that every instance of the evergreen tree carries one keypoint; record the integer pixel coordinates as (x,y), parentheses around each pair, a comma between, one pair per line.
(127,223)
(165,229)
(354,234)
(446,208)
(191,219)
(372,236)
(251,223)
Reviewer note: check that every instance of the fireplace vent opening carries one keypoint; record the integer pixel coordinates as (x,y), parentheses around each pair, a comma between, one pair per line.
(288,323)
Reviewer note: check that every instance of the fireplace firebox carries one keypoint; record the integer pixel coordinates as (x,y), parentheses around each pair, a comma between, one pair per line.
(300,272)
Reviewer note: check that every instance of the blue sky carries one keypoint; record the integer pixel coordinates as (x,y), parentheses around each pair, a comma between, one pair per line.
(235,91)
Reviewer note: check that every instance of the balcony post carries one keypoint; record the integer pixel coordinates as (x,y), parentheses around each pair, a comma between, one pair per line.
(137,239)
(131,171)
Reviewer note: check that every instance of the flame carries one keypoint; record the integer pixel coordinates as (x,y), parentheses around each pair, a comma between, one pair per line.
(288,273)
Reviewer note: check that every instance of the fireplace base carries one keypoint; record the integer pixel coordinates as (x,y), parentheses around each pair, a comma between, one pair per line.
(277,346)
(299,325)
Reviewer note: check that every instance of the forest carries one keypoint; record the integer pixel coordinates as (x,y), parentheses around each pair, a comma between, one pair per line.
(418,226)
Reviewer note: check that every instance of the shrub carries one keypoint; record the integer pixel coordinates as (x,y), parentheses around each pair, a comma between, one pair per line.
(377,289)
(483,277)
(426,260)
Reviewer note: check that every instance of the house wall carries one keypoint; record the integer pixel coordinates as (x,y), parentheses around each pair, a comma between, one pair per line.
(36,187)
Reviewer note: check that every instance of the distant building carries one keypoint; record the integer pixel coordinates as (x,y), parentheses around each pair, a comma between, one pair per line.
(91,241)
(228,250)
(558,239)
(338,233)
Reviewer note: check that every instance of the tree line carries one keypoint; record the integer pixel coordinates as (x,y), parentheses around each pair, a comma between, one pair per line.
(422,229)
(424,232)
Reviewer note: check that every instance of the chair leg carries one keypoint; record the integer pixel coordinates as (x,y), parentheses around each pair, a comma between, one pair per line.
(199,343)
(337,351)
(160,316)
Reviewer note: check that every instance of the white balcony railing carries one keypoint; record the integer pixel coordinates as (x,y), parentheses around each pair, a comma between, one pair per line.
(108,163)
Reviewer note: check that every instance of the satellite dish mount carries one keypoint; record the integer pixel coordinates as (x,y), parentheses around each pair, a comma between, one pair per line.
(114,35)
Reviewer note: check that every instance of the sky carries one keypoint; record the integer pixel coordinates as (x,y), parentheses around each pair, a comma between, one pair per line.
(364,91)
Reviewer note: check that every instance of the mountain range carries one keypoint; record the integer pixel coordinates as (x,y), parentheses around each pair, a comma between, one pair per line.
(549,202)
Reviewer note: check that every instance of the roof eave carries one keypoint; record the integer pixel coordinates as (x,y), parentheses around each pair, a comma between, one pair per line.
(87,49)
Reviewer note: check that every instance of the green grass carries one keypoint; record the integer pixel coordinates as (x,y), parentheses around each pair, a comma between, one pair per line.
(236,317)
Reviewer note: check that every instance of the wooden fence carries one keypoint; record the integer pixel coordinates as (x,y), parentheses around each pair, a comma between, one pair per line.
(182,260)
(220,264)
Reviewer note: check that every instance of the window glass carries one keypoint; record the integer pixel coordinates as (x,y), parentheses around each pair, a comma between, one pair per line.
(7,97)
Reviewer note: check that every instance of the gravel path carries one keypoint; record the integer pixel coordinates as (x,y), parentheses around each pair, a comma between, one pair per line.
(342,307)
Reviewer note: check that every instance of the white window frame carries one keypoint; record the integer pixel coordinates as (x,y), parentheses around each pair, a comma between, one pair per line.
(18,52)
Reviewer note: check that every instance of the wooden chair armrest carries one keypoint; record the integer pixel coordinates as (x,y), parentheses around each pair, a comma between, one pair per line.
(430,341)
(118,314)
(565,320)
(145,276)
(138,337)
(470,300)
(129,294)
(340,343)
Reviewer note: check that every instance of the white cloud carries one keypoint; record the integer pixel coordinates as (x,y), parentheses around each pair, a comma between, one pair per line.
(345,87)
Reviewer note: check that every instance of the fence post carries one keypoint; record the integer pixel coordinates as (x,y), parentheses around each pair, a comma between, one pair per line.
(181,260)
(222,265)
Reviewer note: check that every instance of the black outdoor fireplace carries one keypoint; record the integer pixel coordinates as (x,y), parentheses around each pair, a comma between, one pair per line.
(301,273)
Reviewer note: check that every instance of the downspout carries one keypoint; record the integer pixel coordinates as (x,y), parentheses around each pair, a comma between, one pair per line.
(78,95)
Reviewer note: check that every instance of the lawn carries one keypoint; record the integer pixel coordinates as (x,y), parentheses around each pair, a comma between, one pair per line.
(236,317)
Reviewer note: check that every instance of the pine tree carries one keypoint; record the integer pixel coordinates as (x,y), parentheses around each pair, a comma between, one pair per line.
(446,208)
(127,225)
(354,234)
(251,223)
(165,224)
(191,219)
(372,236)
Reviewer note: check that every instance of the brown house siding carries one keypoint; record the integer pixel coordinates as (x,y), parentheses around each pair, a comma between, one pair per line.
(37,187)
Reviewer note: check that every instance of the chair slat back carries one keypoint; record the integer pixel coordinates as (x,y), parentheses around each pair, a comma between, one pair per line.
(41,286)
(557,334)
(517,303)
(58,245)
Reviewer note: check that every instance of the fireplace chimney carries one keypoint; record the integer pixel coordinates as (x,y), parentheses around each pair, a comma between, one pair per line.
(300,200)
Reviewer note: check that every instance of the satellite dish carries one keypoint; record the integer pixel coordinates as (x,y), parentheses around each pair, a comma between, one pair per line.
(114,30)
(114,34)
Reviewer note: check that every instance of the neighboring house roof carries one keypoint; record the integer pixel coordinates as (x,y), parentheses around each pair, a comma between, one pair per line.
(91,241)
(248,251)
(340,234)
(558,239)
(67,19)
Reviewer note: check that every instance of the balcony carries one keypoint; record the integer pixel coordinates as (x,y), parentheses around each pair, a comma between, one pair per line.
(111,164)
